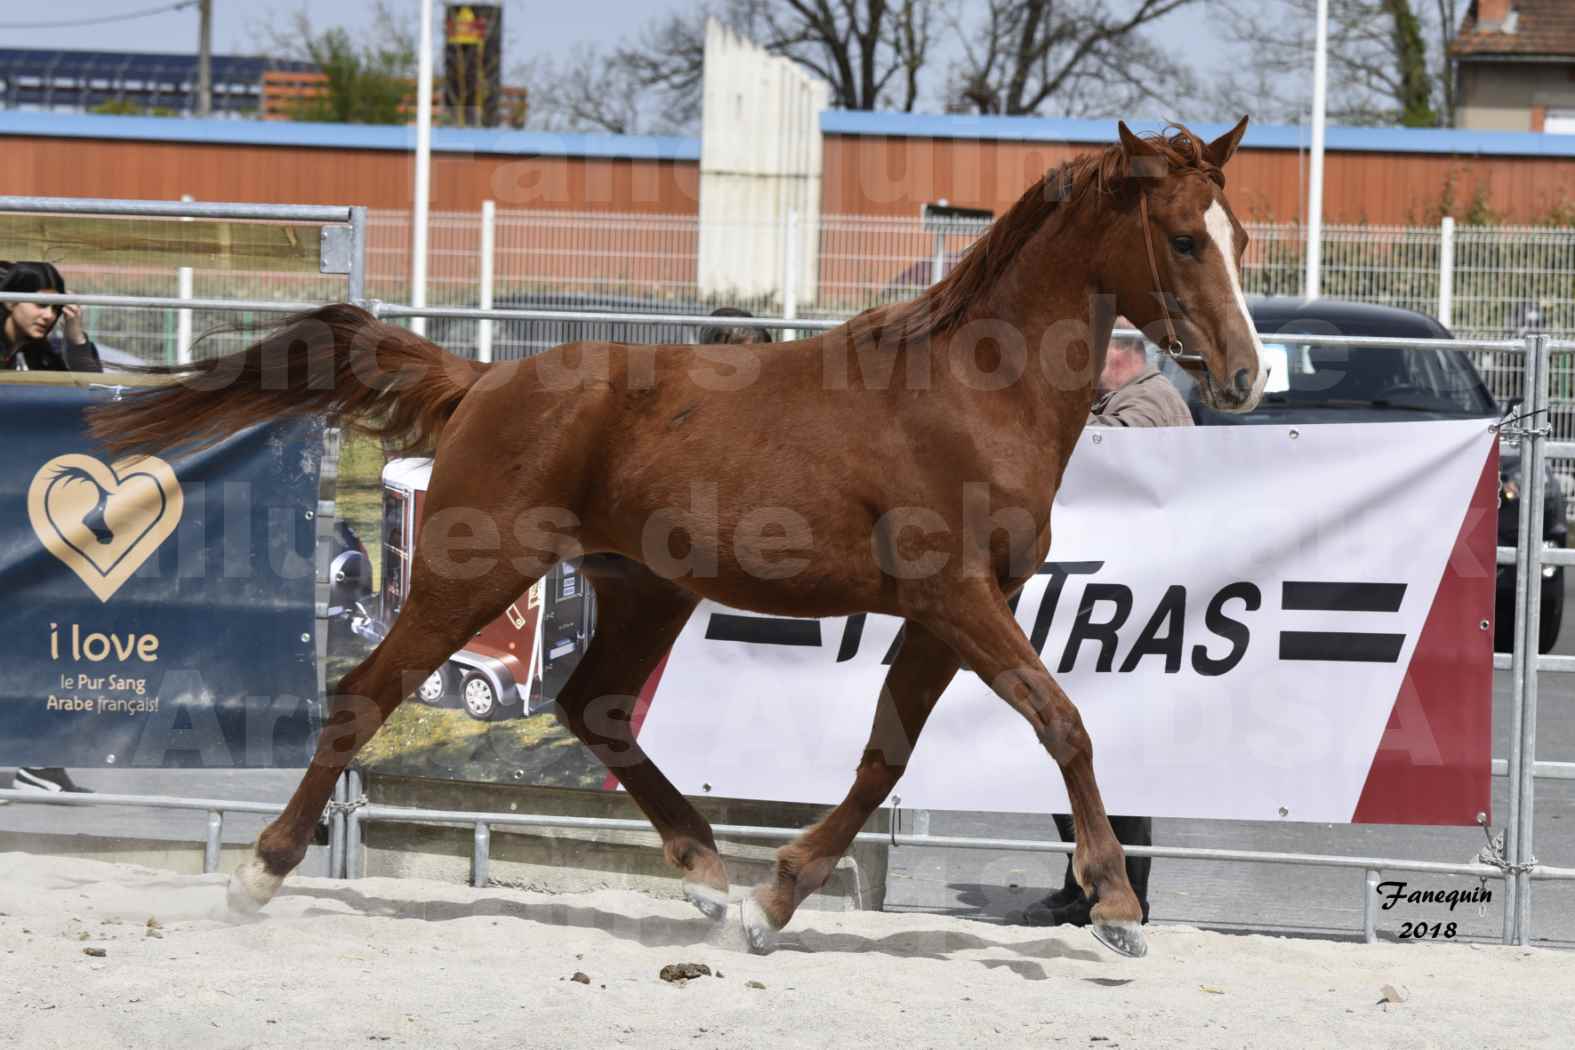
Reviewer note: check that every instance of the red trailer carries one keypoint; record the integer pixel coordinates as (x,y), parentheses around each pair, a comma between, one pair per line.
(515,664)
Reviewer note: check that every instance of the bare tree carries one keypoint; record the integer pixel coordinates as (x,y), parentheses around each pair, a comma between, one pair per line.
(873,53)
(910,42)
(585,90)
(1445,23)
(1075,56)
(666,62)
(1388,59)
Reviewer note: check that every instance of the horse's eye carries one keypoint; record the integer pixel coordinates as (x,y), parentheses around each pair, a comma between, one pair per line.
(1183,245)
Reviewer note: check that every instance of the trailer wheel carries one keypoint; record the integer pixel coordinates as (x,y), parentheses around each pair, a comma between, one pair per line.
(480,699)
(437,686)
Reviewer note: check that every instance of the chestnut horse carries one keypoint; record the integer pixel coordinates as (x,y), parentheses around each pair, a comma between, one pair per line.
(907,459)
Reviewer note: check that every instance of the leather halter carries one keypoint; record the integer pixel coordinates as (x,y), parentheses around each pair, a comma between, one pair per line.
(1173,348)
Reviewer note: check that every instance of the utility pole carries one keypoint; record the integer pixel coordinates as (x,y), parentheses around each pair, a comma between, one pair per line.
(1312,286)
(423,194)
(204,57)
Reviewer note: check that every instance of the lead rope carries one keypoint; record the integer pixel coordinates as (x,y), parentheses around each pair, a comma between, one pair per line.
(1173,345)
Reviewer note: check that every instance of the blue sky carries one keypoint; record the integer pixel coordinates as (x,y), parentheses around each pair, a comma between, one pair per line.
(531,28)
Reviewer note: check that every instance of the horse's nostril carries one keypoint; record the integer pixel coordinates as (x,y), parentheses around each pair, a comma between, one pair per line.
(1243,382)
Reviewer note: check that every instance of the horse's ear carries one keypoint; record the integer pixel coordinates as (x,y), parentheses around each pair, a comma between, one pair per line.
(1144,159)
(1133,146)
(1221,149)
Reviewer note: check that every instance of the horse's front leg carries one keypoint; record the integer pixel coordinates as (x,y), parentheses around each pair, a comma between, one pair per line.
(919,674)
(978,624)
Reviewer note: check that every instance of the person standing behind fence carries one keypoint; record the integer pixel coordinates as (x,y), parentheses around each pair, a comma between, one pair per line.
(29,342)
(29,339)
(1130,393)
(713,334)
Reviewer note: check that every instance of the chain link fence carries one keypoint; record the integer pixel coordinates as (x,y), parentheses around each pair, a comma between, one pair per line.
(1483,282)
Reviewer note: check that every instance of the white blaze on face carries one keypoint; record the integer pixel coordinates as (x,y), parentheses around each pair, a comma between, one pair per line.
(1217,222)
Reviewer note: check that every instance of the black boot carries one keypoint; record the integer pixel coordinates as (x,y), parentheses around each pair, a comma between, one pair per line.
(1068,906)
(1075,912)
(1043,912)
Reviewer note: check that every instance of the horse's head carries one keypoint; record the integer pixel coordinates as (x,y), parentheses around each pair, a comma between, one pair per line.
(1173,260)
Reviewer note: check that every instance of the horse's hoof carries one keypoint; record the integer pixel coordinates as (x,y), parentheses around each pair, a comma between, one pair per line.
(711,901)
(251,886)
(759,931)
(1123,938)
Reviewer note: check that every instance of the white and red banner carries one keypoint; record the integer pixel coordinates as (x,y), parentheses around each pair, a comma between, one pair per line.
(1257,622)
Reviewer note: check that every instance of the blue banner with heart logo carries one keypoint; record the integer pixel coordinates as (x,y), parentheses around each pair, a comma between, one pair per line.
(157,612)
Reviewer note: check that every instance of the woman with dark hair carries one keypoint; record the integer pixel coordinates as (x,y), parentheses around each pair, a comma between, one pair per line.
(28,337)
(29,342)
(711,334)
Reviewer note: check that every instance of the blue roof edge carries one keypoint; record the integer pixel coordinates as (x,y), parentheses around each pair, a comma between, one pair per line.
(347,136)
(1259,136)
(681,148)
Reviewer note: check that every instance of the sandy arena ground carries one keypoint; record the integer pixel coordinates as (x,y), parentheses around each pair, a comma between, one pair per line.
(395,962)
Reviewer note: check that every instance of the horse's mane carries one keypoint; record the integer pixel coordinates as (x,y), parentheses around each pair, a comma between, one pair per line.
(941,307)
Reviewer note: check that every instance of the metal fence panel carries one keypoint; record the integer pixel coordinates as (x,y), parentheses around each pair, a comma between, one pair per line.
(866,253)
(1504,278)
(1502,281)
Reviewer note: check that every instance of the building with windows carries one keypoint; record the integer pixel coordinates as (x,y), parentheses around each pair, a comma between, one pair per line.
(127,83)
(43,79)
(1515,66)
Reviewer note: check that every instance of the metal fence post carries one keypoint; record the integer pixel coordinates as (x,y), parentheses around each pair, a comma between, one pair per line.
(480,854)
(1446,271)
(353,825)
(1523,661)
(489,221)
(1370,906)
(790,272)
(185,289)
(356,286)
(336,830)
(212,849)
(1533,463)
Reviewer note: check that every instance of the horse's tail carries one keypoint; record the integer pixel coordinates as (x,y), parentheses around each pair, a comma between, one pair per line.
(338,361)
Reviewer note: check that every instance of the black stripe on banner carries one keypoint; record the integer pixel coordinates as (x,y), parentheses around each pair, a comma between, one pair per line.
(1341,597)
(1070,568)
(851,636)
(1341,646)
(762,630)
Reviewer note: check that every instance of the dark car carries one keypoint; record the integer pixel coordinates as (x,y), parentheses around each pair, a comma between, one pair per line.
(1391,384)
(523,338)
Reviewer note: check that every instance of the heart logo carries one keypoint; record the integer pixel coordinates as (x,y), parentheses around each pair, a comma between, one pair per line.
(104,522)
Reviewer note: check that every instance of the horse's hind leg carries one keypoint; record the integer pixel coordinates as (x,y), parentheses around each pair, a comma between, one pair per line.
(638,615)
(919,674)
(441,613)
(980,626)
